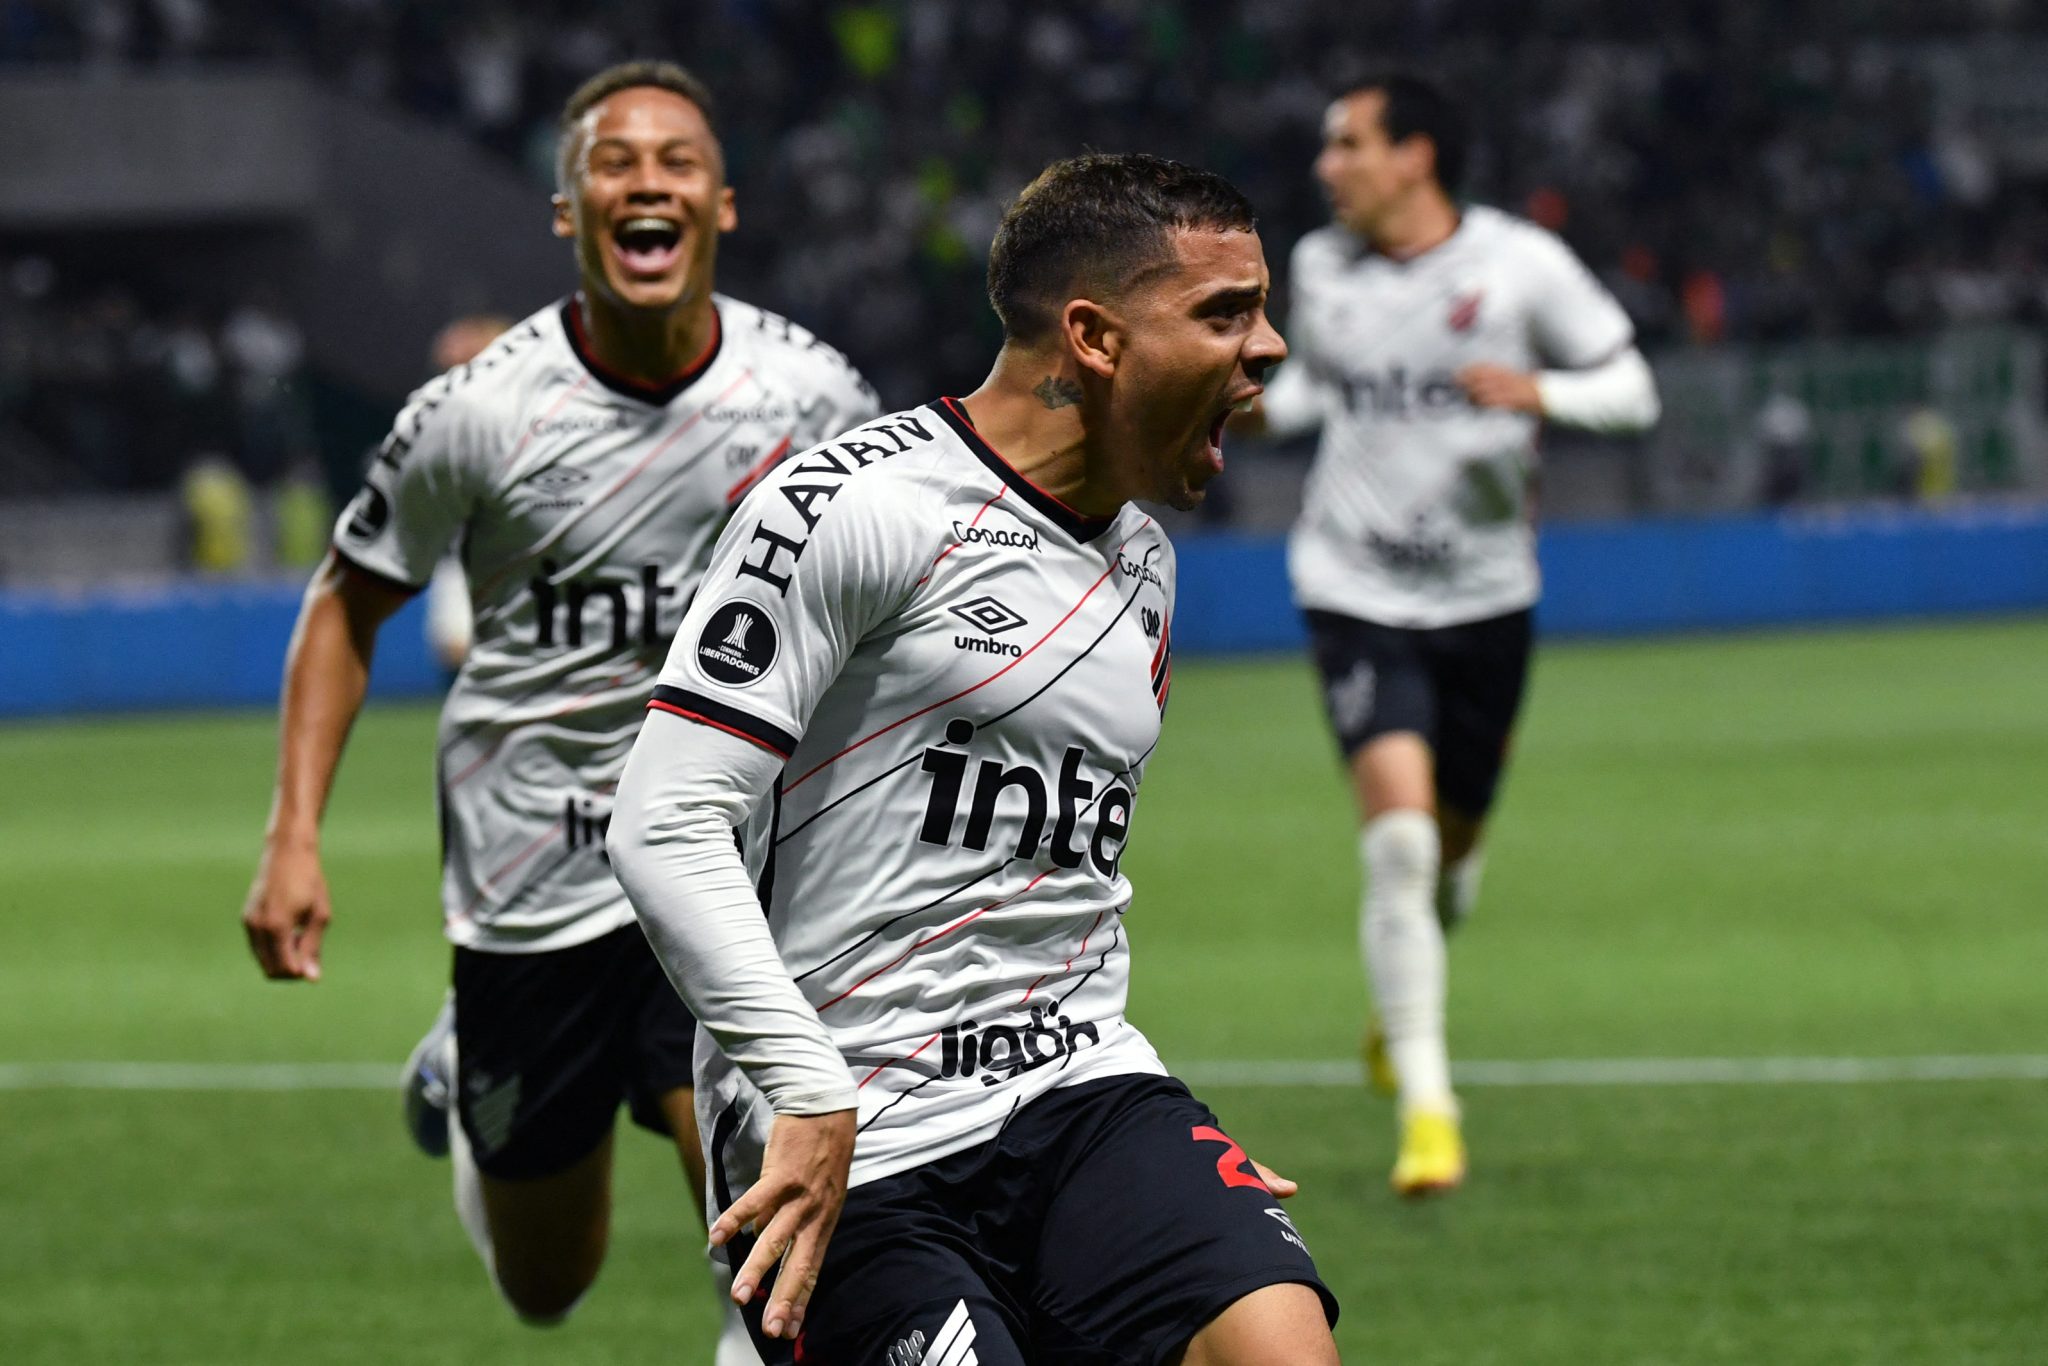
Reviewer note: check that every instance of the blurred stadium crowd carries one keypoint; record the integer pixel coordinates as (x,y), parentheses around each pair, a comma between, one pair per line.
(1736,172)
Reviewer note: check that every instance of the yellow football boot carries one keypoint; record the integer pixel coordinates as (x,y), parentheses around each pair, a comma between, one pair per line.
(1432,1159)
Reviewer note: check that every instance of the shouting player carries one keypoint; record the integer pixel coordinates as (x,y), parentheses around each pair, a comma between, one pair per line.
(921,681)
(583,464)
(1431,340)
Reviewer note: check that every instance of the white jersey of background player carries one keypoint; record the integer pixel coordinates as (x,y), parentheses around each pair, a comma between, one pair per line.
(1429,343)
(581,466)
(585,506)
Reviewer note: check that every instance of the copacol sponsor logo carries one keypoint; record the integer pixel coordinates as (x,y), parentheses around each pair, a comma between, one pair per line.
(738,644)
(991,617)
(997,1052)
(1000,537)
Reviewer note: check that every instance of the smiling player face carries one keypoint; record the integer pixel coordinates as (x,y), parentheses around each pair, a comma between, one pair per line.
(646,200)
(1196,344)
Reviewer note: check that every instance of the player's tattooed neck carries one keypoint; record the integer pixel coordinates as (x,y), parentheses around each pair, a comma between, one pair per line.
(1058,393)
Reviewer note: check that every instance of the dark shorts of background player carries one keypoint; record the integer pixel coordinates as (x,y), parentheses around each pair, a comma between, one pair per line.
(1458,687)
(550,1044)
(1104,1226)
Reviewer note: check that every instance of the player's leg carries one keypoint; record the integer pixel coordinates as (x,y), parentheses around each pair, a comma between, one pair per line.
(1276,1325)
(1160,1242)
(1382,705)
(538,1081)
(1483,674)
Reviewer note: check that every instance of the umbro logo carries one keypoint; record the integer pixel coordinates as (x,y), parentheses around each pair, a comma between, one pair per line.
(989,615)
(1287,1229)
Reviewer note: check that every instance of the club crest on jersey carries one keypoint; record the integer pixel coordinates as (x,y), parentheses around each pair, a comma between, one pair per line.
(738,644)
(1464,311)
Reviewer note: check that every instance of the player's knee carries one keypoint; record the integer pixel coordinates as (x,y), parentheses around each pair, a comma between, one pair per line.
(1402,851)
(541,1299)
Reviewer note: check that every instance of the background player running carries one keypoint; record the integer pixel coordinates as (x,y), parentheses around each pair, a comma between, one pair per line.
(583,463)
(1418,326)
(923,677)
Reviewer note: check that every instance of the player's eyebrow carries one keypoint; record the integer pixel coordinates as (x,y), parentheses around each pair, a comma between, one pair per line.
(1233,299)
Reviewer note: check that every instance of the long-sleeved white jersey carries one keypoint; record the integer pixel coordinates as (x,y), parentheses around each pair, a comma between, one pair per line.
(924,692)
(1418,509)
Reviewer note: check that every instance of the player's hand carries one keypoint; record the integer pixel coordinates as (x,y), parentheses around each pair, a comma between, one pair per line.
(796,1206)
(1275,1182)
(287,912)
(1496,386)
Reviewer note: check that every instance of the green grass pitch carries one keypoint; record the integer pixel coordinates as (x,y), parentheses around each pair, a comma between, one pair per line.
(1819,845)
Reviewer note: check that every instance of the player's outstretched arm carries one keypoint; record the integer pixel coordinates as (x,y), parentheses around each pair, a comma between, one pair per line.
(327,671)
(1617,396)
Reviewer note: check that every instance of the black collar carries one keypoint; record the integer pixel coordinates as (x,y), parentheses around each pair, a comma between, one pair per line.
(1075,524)
(660,394)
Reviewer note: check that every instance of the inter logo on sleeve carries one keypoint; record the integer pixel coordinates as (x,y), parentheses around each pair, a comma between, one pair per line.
(738,644)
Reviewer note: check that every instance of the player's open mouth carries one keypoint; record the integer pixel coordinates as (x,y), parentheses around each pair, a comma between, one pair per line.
(648,246)
(1216,426)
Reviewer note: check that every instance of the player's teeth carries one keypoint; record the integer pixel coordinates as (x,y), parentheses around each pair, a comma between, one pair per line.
(647,225)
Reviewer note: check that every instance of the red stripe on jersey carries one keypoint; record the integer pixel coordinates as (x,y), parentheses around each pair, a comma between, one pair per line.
(956,545)
(894,1061)
(932,938)
(702,720)
(767,463)
(1068,966)
(563,710)
(582,383)
(978,686)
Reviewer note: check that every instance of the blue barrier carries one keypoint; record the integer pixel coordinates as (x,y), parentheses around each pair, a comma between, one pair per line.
(208,644)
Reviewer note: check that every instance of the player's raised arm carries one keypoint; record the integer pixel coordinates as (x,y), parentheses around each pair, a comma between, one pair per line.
(327,672)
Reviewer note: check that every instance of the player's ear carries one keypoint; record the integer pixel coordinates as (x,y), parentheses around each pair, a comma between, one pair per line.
(1094,334)
(728,212)
(565,216)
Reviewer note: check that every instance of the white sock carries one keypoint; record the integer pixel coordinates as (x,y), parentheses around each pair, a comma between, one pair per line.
(1457,888)
(735,1348)
(1403,946)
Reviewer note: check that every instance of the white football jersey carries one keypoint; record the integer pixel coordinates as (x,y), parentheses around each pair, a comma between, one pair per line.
(1418,509)
(964,679)
(584,507)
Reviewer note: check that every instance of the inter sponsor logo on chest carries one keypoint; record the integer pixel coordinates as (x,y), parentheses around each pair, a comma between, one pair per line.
(1066,799)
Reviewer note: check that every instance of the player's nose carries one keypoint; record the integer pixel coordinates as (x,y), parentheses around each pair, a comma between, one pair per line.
(1263,349)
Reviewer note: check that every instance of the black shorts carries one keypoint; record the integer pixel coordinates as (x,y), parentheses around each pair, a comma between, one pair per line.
(1458,687)
(1103,1226)
(549,1044)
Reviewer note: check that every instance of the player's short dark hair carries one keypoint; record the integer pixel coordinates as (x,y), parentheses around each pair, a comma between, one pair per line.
(667,76)
(1416,106)
(1099,223)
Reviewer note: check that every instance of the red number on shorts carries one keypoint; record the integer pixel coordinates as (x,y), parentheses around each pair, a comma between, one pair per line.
(1232,1165)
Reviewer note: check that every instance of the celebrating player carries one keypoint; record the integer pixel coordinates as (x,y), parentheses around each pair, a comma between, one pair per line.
(1418,325)
(922,680)
(583,463)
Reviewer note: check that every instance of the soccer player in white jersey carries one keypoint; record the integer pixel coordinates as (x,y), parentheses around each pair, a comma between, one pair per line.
(1430,340)
(582,465)
(921,683)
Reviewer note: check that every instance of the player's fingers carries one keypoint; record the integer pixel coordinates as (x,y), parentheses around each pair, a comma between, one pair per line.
(752,1204)
(760,1264)
(1275,1182)
(797,1279)
(265,943)
(310,935)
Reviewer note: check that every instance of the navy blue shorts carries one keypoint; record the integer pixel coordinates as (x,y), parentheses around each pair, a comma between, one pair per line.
(1103,1226)
(1458,687)
(551,1044)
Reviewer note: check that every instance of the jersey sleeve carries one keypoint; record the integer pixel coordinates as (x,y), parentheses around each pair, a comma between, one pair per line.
(1574,321)
(810,565)
(418,493)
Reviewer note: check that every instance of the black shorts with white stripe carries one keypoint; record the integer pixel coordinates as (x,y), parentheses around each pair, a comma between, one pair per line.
(1103,1226)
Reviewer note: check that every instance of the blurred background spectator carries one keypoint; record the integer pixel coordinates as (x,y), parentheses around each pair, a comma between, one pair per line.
(1743,177)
